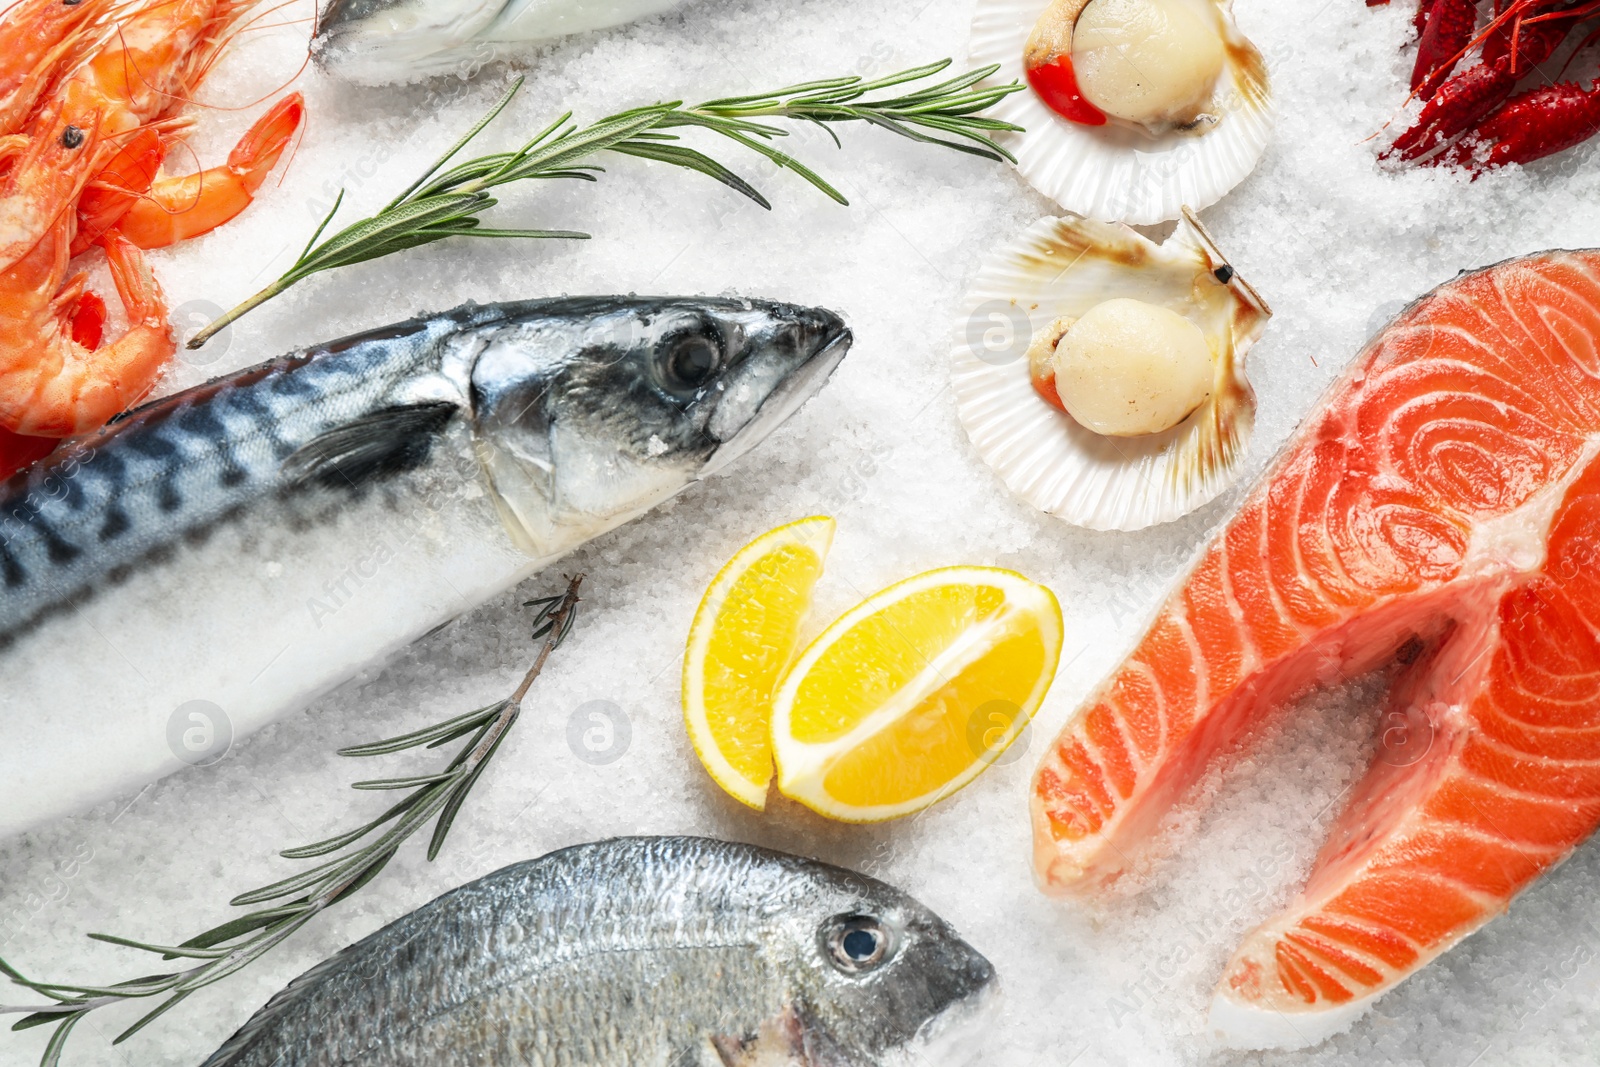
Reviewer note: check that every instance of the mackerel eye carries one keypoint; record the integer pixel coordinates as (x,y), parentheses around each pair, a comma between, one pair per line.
(858,944)
(690,361)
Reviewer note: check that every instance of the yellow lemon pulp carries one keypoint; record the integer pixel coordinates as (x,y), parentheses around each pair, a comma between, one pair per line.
(912,694)
(742,640)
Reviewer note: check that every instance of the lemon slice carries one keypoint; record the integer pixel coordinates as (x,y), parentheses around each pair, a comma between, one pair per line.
(743,638)
(913,693)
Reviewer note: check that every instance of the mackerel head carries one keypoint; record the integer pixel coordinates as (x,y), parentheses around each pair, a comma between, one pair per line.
(589,413)
(224,555)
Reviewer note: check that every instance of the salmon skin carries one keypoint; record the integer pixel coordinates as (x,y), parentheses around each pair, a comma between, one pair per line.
(1438,516)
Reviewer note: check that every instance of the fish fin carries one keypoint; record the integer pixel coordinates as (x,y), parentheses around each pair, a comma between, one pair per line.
(258,1031)
(373,446)
(781,1040)
(733,1051)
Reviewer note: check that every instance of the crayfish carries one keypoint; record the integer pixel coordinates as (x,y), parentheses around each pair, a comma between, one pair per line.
(1473,117)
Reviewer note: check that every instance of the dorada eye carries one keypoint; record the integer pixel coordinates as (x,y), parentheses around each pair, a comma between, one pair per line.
(858,944)
(690,361)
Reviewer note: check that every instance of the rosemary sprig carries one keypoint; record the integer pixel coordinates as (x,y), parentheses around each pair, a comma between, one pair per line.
(449,204)
(234,945)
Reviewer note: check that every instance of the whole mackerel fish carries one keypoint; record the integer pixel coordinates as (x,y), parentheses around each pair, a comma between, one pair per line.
(640,952)
(224,555)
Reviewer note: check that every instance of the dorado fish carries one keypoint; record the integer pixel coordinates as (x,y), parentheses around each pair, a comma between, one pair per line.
(379,41)
(226,554)
(638,952)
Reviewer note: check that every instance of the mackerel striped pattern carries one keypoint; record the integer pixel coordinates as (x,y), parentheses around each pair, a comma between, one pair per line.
(169,472)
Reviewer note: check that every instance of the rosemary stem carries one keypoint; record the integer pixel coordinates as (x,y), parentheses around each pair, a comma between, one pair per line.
(569,604)
(222,322)
(446,202)
(513,706)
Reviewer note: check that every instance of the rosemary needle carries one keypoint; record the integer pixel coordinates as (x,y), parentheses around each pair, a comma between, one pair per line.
(234,945)
(448,203)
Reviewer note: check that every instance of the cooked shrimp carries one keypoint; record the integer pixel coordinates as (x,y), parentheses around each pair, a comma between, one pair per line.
(155,212)
(52,386)
(48,170)
(38,40)
(85,171)
(154,60)
(148,69)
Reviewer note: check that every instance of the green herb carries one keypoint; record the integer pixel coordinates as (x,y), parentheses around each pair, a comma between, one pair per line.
(226,949)
(439,205)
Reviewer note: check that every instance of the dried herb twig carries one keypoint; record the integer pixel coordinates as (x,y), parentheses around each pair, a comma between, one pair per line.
(234,945)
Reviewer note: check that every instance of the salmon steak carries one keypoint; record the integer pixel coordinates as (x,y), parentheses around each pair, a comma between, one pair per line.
(1436,517)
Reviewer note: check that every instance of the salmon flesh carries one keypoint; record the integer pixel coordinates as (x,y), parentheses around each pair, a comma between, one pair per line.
(1437,515)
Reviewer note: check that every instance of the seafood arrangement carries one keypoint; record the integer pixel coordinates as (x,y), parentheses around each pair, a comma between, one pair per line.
(1138,107)
(671,950)
(1473,115)
(231,552)
(447,458)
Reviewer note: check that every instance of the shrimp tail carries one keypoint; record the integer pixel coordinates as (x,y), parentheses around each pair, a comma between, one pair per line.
(177,209)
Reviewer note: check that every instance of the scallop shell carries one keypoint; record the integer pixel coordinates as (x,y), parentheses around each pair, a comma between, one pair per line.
(1114,173)
(1064,266)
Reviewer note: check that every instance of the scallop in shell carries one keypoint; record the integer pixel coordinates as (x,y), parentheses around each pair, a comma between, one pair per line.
(1142,169)
(1063,267)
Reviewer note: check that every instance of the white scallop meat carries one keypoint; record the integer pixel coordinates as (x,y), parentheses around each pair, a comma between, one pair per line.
(1115,173)
(1062,267)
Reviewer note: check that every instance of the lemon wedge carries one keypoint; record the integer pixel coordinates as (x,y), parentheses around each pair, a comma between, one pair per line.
(743,638)
(914,692)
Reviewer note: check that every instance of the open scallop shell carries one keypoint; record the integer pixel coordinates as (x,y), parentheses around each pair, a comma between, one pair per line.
(1064,266)
(1114,173)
